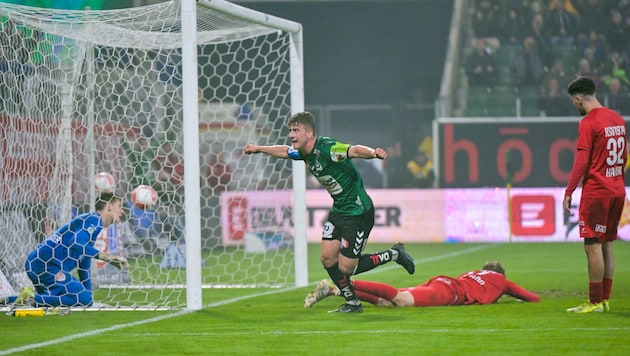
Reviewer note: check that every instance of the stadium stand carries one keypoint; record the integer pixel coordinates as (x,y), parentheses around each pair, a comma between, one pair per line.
(606,51)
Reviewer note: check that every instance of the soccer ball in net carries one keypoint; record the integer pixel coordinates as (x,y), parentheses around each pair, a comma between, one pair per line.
(144,197)
(104,182)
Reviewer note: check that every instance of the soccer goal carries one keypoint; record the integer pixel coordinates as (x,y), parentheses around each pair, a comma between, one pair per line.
(136,93)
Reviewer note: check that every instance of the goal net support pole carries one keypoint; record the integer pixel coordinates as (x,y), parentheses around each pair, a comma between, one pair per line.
(191,156)
(299,169)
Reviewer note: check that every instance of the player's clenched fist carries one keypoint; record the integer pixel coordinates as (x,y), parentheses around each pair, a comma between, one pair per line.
(249,148)
(380,153)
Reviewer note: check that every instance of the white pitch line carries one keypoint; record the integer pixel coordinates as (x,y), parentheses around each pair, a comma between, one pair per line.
(91,333)
(382,331)
(211,305)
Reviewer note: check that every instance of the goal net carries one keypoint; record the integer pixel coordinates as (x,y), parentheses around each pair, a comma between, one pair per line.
(83,92)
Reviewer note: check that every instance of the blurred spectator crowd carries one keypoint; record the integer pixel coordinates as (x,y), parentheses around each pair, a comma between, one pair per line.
(525,52)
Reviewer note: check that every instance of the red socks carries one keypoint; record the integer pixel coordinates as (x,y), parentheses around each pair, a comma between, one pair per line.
(607,288)
(595,292)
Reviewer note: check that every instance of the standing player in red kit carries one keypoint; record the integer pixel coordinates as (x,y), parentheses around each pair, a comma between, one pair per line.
(599,163)
(483,286)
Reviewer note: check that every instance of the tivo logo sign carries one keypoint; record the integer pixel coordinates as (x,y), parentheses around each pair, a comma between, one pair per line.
(533,215)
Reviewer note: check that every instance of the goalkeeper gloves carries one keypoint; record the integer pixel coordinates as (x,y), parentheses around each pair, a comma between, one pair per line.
(116,261)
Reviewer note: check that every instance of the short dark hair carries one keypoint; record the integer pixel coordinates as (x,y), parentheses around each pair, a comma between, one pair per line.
(581,86)
(305,118)
(103,199)
(493,266)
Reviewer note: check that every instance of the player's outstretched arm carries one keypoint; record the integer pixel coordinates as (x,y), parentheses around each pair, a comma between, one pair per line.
(278,151)
(360,151)
(116,261)
(518,292)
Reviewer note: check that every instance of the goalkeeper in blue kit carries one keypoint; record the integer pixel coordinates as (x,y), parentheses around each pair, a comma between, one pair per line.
(51,264)
(351,218)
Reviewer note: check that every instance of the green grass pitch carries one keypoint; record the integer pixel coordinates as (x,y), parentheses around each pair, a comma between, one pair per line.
(274,321)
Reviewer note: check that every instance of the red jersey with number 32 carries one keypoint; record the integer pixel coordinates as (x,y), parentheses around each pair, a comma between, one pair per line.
(603,133)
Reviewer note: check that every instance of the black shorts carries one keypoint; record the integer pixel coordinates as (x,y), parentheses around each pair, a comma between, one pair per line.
(351,231)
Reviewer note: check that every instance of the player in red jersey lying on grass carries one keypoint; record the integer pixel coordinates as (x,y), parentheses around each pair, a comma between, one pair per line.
(483,286)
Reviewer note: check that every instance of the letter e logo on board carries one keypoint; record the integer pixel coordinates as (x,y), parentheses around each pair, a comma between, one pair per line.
(533,215)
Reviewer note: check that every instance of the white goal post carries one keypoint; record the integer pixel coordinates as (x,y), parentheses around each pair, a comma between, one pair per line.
(136,93)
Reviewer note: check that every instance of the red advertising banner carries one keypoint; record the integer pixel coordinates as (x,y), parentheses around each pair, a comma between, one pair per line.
(478,152)
(26,158)
(28,153)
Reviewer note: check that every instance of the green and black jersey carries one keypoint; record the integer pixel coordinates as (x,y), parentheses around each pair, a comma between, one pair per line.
(329,163)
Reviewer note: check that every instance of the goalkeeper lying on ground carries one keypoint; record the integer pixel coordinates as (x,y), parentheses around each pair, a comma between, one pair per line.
(49,266)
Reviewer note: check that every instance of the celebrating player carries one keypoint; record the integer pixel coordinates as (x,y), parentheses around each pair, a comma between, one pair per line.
(351,218)
(50,265)
(484,286)
(599,163)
